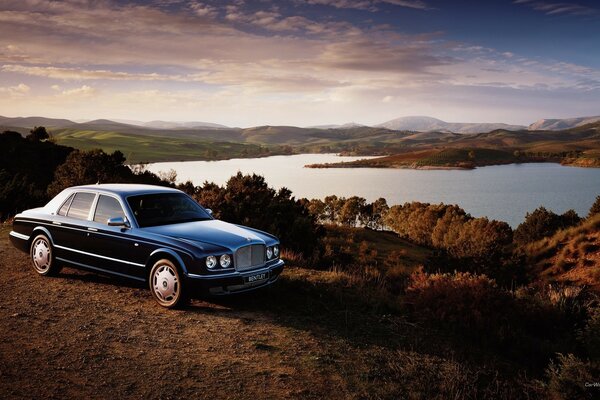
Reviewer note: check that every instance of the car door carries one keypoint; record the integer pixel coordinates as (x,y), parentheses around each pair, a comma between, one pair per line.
(69,228)
(117,248)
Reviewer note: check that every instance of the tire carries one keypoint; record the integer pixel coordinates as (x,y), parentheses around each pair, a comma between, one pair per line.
(42,258)
(166,284)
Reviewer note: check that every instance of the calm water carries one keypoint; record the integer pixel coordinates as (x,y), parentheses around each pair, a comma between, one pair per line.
(504,192)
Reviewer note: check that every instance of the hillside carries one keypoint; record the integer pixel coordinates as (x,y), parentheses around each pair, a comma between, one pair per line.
(559,124)
(578,147)
(321,327)
(570,256)
(429,124)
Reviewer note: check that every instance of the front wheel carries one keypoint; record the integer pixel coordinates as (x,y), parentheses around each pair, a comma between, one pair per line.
(166,284)
(42,256)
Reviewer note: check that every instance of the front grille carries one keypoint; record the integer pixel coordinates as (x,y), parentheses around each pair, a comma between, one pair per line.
(249,257)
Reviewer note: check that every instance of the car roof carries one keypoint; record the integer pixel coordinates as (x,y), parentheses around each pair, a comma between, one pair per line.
(126,189)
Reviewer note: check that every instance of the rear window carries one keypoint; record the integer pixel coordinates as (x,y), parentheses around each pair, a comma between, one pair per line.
(81,204)
(108,207)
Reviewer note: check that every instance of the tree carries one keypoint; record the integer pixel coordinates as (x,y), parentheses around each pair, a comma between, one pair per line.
(248,200)
(96,166)
(38,134)
(350,211)
(595,210)
(543,223)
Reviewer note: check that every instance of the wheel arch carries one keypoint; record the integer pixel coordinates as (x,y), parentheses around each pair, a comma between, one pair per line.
(164,253)
(37,231)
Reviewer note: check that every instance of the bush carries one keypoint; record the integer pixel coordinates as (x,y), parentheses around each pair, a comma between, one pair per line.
(248,200)
(567,377)
(543,223)
(462,300)
(26,169)
(595,209)
(96,166)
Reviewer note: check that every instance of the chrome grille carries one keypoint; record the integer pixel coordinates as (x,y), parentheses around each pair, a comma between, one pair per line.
(249,257)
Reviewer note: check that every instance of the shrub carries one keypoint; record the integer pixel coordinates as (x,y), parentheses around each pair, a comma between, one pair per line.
(96,166)
(595,209)
(26,169)
(567,377)
(462,300)
(543,223)
(248,200)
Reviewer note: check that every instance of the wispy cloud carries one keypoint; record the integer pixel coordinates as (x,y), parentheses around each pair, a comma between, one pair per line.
(370,5)
(549,8)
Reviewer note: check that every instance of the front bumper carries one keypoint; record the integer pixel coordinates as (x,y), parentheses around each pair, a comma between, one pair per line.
(232,282)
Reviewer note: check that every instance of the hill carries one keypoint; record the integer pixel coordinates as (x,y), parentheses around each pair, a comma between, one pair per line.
(578,147)
(559,124)
(429,124)
(570,256)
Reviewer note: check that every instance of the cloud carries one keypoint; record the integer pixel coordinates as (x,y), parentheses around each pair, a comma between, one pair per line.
(558,8)
(83,74)
(369,5)
(203,10)
(83,91)
(18,90)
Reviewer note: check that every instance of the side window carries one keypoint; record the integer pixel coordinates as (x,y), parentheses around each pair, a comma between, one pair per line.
(65,207)
(108,207)
(81,204)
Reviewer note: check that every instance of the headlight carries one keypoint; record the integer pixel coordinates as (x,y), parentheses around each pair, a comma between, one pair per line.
(225,260)
(211,262)
(269,253)
(276,250)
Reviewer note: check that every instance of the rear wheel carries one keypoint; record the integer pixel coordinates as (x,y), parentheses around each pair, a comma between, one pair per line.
(42,256)
(166,284)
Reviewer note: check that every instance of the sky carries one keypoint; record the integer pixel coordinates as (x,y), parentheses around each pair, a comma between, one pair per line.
(300,62)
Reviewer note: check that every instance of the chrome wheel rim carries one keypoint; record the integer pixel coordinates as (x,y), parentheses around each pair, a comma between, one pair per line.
(41,255)
(165,283)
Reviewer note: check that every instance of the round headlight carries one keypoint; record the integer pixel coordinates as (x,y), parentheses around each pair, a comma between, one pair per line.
(211,262)
(269,253)
(225,260)
(276,251)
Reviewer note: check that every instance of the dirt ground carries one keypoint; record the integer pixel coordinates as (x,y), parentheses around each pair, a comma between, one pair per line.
(81,335)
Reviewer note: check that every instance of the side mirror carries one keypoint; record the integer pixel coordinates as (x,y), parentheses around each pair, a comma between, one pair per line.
(118,221)
(209,211)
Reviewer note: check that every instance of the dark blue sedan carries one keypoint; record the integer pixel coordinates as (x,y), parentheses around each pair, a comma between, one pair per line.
(147,233)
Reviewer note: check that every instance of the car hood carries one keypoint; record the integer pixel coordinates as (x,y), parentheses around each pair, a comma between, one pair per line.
(213,232)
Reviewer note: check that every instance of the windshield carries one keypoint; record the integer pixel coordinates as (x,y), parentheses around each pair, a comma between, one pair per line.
(165,208)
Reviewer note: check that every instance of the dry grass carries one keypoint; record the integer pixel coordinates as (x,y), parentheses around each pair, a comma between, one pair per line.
(571,255)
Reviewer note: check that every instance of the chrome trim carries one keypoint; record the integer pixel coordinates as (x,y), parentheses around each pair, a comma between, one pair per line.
(56,223)
(101,270)
(19,235)
(92,229)
(99,256)
(109,233)
(234,274)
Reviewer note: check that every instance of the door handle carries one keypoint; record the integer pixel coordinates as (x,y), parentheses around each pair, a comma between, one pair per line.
(93,229)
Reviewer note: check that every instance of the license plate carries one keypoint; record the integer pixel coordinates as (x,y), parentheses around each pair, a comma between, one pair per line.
(256,278)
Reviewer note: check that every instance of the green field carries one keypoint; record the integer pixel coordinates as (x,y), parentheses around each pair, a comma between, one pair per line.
(145,148)
(577,146)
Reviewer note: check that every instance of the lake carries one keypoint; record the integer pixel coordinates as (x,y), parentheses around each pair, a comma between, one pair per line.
(503,192)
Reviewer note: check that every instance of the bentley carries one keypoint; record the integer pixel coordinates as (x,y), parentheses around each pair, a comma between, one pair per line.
(157,235)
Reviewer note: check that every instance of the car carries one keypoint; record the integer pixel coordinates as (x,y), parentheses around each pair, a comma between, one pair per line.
(151,234)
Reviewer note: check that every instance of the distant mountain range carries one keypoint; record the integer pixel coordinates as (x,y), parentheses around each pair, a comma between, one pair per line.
(429,124)
(559,124)
(410,123)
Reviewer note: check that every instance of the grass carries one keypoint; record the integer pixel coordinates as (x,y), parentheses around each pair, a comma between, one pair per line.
(570,255)
(146,148)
